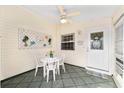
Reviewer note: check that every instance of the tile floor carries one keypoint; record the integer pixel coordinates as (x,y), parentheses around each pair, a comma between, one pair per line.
(74,77)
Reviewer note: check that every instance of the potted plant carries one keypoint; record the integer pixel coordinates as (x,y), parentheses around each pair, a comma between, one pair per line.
(51,54)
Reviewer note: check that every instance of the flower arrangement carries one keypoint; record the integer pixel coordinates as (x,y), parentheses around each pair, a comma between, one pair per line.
(51,53)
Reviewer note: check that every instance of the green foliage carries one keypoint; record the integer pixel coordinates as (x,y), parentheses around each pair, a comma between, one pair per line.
(51,53)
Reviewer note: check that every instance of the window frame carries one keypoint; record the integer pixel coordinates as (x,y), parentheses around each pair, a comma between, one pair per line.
(68,41)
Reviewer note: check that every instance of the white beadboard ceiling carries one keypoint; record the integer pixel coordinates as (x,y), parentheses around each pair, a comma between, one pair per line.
(87,11)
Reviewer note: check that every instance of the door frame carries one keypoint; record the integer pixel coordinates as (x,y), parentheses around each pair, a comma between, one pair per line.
(100,28)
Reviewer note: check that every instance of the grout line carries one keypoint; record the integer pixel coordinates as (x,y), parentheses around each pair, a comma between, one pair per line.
(73,81)
(20,81)
(41,82)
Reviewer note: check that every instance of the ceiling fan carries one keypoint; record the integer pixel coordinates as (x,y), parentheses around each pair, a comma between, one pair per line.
(64,15)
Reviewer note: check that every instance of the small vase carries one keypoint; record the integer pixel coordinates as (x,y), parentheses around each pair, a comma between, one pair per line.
(51,55)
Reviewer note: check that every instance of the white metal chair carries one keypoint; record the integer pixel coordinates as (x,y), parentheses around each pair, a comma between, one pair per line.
(51,66)
(38,63)
(61,63)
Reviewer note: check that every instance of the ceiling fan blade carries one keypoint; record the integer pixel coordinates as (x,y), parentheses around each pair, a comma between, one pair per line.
(73,14)
(61,9)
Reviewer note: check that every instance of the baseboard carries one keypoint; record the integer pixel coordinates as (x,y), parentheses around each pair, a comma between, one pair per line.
(99,71)
(98,74)
(75,65)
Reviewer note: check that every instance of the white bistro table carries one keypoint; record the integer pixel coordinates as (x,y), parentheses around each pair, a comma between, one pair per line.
(49,59)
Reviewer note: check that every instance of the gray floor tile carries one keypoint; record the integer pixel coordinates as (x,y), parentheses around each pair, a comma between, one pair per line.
(16,80)
(78,70)
(44,84)
(6,82)
(99,79)
(62,71)
(83,74)
(58,77)
(27,79)
(68,65)
(31,73)
(94,85)
(71,71)
(10,86)
(23,85)
(102,85)
(74,75)
(57,84)
(78,81)
(26,73)
(75,67)
(107,85)
(34,84)
(70,86)
(68,82)
(39,73)
(68,68)
(83,86)
(51,77)
(37,78)
(65,76)
(22,76)
(87,80)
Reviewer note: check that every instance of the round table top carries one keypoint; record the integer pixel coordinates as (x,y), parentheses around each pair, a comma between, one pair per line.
(51,59)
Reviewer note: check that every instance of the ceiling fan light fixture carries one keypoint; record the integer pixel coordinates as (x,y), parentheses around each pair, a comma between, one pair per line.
(63,20)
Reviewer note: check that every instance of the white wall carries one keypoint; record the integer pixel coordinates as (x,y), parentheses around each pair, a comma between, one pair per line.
(78,57)
(15,60)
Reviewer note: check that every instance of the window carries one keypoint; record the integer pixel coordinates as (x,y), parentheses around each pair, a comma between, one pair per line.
(67,42)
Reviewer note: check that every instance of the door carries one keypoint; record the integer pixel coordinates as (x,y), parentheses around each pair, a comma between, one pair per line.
(98,45)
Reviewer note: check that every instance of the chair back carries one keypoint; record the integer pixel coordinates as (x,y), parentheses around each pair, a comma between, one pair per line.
(51,63)
(37,58)
(62,56)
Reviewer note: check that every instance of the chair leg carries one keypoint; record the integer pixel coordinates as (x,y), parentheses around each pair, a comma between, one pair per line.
(47,75)
(63,66)
(54,75)
(36,71)
(58,69)
(44,71)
